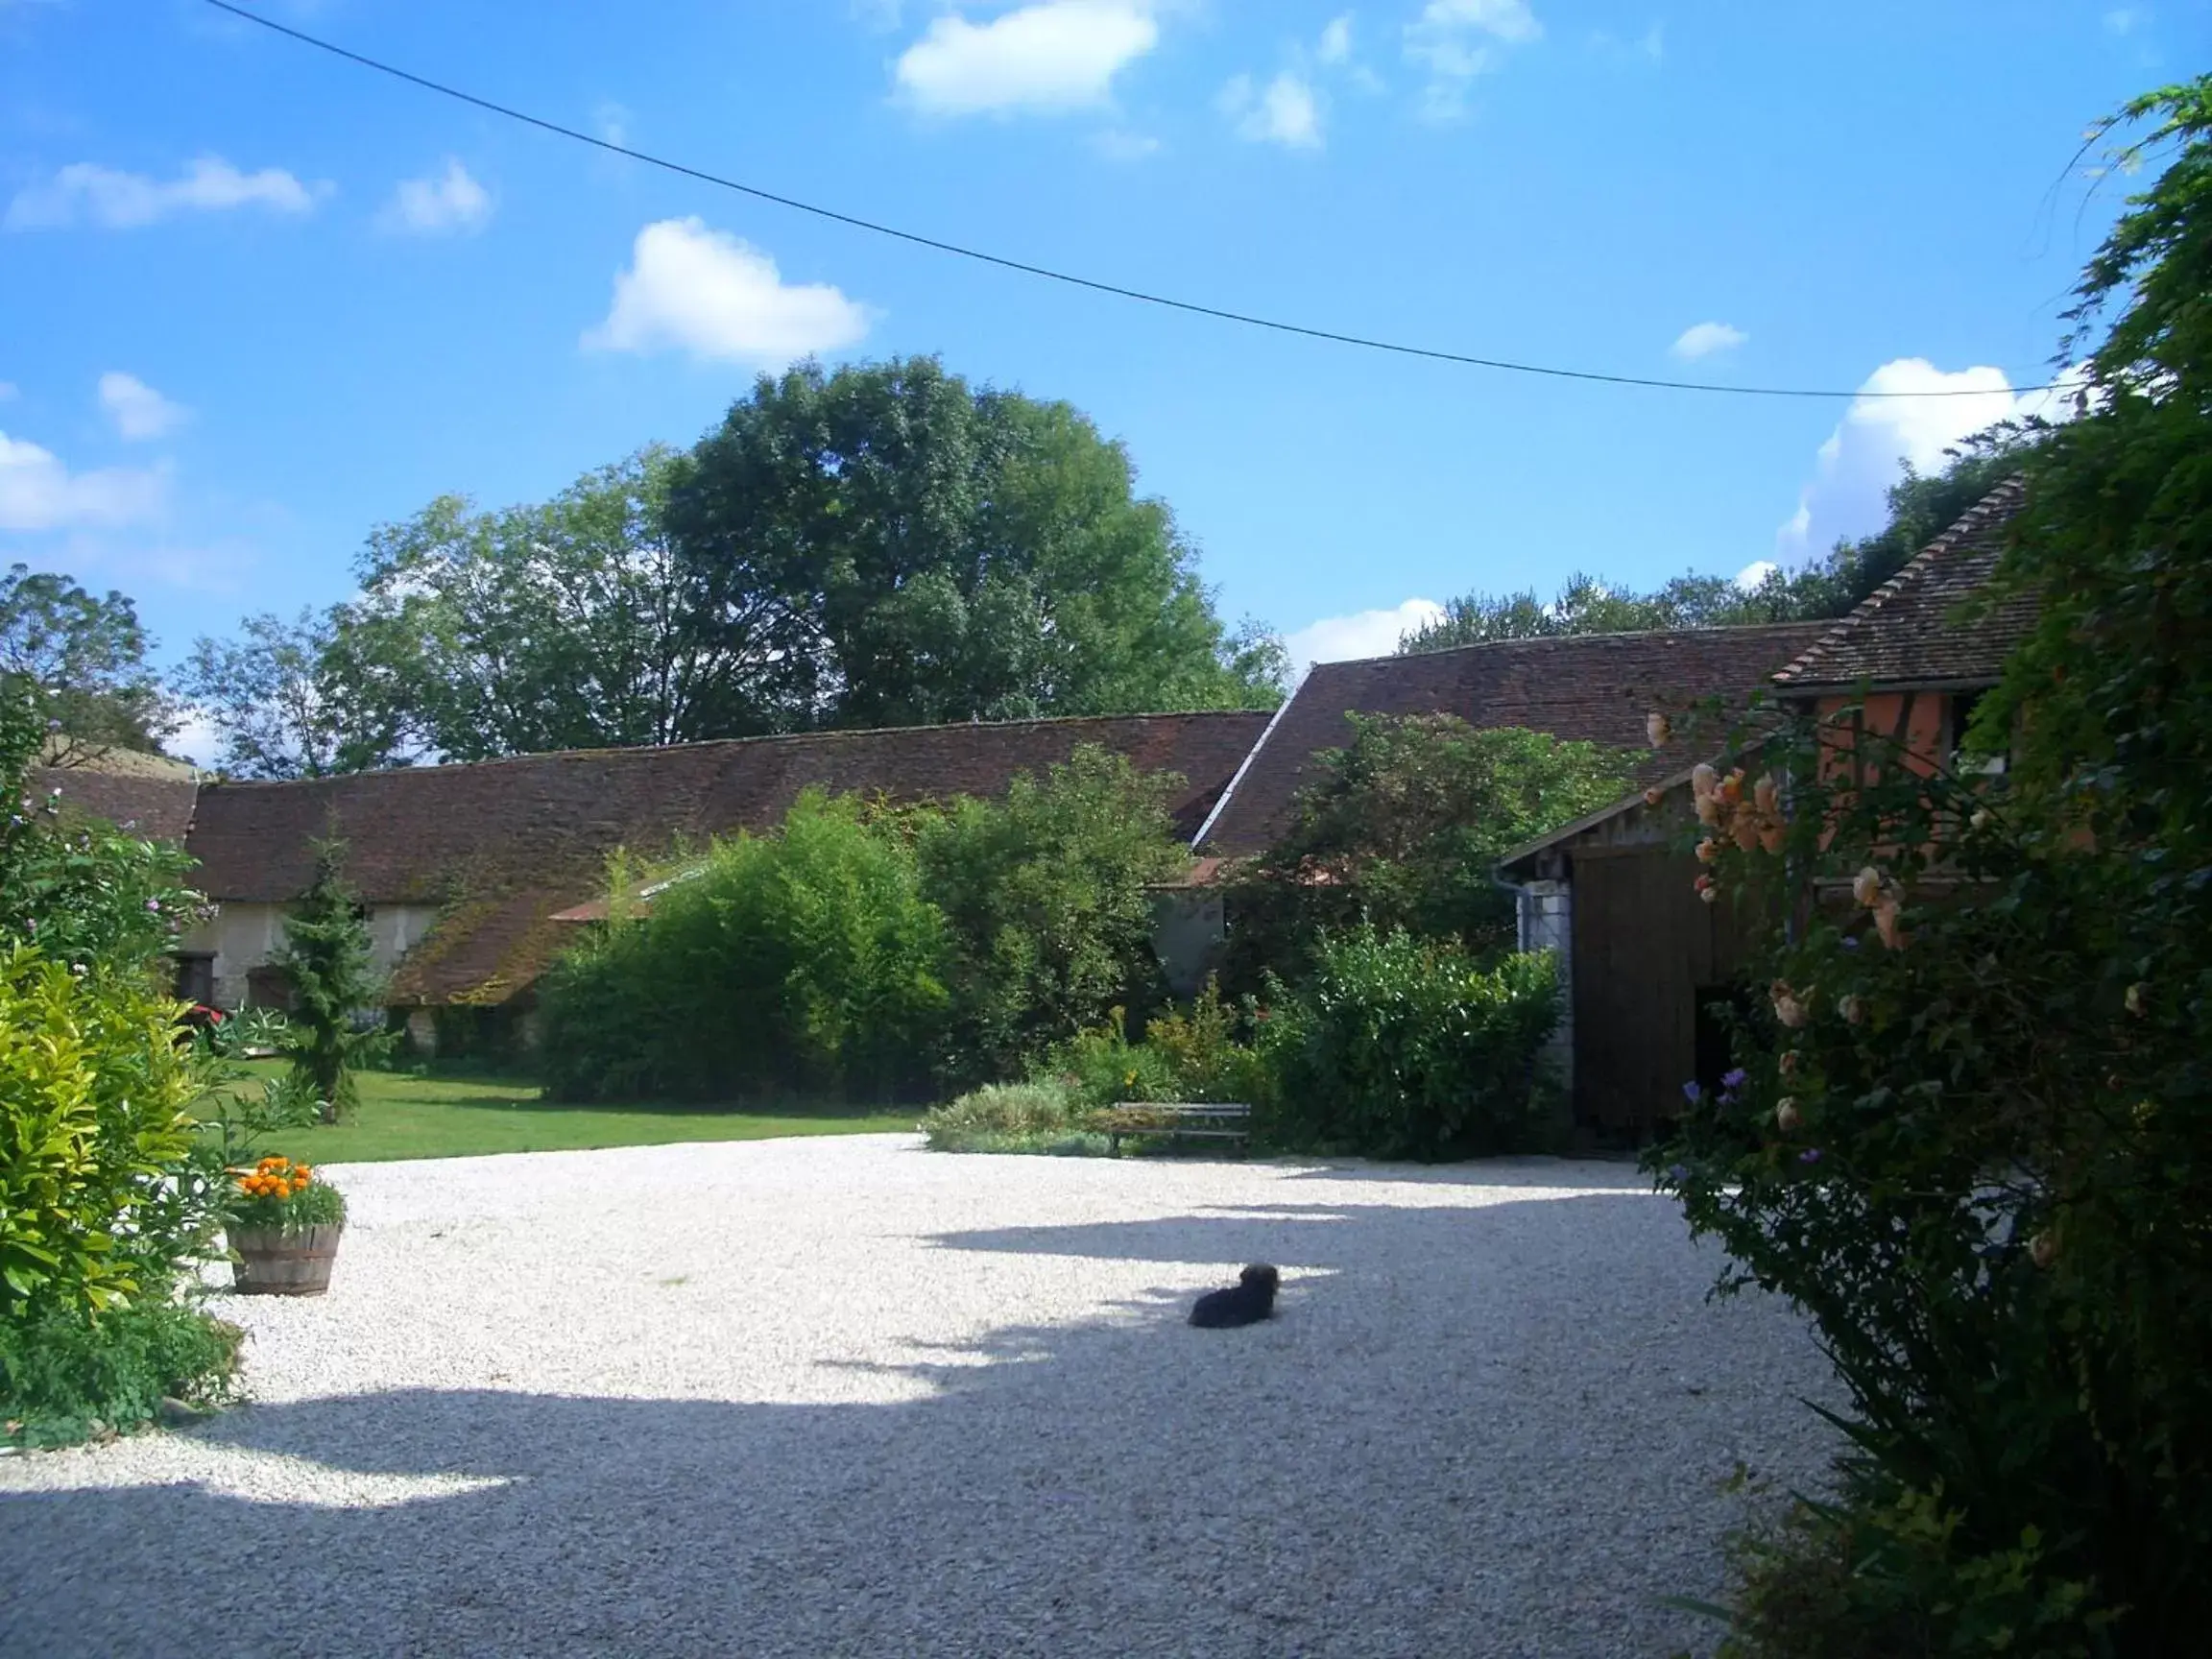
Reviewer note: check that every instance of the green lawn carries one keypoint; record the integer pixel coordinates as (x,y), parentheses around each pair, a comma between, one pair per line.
(404,1116)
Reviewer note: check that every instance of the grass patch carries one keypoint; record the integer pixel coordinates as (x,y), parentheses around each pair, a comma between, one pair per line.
(405,1114)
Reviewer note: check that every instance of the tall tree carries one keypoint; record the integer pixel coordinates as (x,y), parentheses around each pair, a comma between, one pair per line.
(1921,504)
(84,658)
(566,625)
(285,700)
(915,550)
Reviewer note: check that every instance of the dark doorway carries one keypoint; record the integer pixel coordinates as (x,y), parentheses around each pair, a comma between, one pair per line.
(196,977)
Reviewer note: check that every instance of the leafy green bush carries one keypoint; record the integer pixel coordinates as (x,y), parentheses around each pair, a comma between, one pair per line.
(1891,1577)
(1203,1048)
(1046,913)
(102,1195)
(1405,1048)
(96,1200)
(806,963)
(1970,1128)
(82,890)
(1042,1117)
(1404,828)
(1101,1066)
(68,1375)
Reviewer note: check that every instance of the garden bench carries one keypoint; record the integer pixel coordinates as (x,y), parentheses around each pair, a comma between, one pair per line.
(1219,1121)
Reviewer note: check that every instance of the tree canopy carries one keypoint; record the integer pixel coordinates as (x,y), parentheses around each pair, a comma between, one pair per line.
(83,659)
(1404,826)
(883,546)
(895,549)
(1921,506)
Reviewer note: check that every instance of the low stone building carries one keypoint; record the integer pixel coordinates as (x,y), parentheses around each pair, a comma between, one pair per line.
(465,871)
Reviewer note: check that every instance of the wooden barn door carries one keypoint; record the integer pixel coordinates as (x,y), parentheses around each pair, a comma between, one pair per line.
(1645,947)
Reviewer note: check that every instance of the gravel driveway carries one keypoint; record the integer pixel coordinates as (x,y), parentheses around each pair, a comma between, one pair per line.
(845,1397)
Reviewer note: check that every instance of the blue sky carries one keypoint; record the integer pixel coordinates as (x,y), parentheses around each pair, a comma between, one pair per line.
(254,301)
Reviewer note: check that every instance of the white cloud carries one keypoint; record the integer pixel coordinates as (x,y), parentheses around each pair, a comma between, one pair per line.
(38,492)
(1051,56)
(1336,41)
(611,121)
(1287,111)
(86,192)
(1855,467)
(2126,19)
(1754,573)
(137,410)
(1455,40)
(1364,634)
(715,296)
(1703,339)
(438,205)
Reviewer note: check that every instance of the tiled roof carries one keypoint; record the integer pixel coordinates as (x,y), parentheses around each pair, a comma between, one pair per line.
(1907,631)
(503,845)
(154,808)
(1598,687)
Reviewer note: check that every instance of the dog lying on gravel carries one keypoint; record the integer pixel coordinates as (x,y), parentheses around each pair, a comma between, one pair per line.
(1247,1302)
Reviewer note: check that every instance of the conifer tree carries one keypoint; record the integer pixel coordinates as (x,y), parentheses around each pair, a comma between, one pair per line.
(334,975)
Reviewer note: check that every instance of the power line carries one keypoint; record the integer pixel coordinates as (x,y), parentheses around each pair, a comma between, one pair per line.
(1164,301)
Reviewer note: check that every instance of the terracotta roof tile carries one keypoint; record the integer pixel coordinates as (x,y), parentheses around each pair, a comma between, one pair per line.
(503,845)
(1596,688)
(1907,632)
(156,809)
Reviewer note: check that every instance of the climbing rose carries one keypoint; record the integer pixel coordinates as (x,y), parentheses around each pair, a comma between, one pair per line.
(1786,1116)
(1659,729)
(1867,887)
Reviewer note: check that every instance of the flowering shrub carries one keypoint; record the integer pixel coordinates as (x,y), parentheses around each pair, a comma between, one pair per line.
(280,1196)
(1973,1132)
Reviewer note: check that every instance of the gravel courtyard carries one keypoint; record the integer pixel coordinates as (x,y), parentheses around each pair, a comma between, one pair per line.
(845,1397)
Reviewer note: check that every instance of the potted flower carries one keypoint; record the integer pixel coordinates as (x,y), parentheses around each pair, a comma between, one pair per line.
(283,1224)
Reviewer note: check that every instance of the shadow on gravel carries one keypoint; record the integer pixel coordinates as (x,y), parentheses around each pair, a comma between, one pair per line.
(1471,1430)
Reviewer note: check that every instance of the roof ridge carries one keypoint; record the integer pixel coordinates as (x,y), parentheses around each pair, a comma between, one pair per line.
(763,737)
(1684,633)
(2000,502)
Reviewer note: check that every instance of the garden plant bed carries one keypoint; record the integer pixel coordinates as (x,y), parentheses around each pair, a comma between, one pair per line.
(845,1397)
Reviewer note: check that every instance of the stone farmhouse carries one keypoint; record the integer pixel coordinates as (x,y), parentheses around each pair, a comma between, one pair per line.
(474,876)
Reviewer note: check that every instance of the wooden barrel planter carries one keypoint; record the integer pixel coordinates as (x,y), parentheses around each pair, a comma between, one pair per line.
(271,1262)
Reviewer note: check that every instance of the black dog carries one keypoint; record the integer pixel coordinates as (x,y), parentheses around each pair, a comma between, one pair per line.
(1247,1302)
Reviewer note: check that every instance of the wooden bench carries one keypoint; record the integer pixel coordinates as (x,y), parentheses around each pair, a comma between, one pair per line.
(1213,1121)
